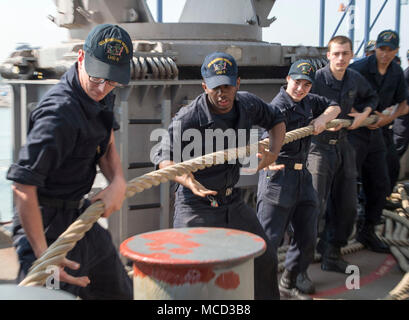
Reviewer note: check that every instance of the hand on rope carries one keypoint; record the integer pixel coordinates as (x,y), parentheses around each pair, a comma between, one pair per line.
(337,128)
(383,120)
(112,197)
(266,157)
(272,165)
(359,117)
(188,180)
(65,277)
(319,125)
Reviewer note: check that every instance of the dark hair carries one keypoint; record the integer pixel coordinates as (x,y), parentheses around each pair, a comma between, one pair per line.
(339,40)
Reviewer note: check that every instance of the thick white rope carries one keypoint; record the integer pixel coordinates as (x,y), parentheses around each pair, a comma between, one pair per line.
(55,254)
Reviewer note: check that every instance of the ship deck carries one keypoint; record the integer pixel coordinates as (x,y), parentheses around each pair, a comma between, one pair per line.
(378,275)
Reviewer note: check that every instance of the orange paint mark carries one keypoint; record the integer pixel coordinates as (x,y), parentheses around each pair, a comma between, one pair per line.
(170,237)
(175,276)
(158,255)
(180,251)
(234,232)
(228,280)
(198,231)
(257,239)
(137,272)
(239,232)
(157,248)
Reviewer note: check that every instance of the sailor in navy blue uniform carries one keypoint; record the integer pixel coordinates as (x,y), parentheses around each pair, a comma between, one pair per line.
(331,160)
(208,197)
(377,160)
(287,197)
(401,124)
(70,132)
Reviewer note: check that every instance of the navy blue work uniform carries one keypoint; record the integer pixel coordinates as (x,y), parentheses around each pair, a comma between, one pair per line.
(401,126)
(68,133)
(287,196)
(331,160)
(377,159)
(231,212)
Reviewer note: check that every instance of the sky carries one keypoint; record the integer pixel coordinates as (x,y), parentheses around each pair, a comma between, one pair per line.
(26,21)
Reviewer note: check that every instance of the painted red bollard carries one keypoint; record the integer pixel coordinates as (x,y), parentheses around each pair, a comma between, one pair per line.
(193,263)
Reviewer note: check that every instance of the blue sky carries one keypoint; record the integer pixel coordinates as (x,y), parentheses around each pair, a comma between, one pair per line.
(26,21)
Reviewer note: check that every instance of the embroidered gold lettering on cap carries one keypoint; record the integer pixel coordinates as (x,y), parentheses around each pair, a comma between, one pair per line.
(388,36)
(218,59)
(219,65)
(101,43)
(305,67)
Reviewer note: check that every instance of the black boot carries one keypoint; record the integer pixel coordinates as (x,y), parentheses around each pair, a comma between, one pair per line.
(288,289)
(369,239)
(332,261)
(304,283)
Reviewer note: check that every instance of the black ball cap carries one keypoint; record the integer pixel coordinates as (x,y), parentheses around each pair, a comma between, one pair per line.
(108,52)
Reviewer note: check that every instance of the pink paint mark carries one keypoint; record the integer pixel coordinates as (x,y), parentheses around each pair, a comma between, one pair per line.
(228,280)
(175,276)
(382,270)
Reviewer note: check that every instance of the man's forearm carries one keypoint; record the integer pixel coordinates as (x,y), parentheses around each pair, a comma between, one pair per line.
(367,111)
(330,114)
(400,110)
(110,163)
(30,216)
(276,137)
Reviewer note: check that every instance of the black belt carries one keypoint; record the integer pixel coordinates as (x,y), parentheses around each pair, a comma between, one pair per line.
(291,163)
(221,195)
(225,192)
(60,203)
(331,138)
(328,140)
